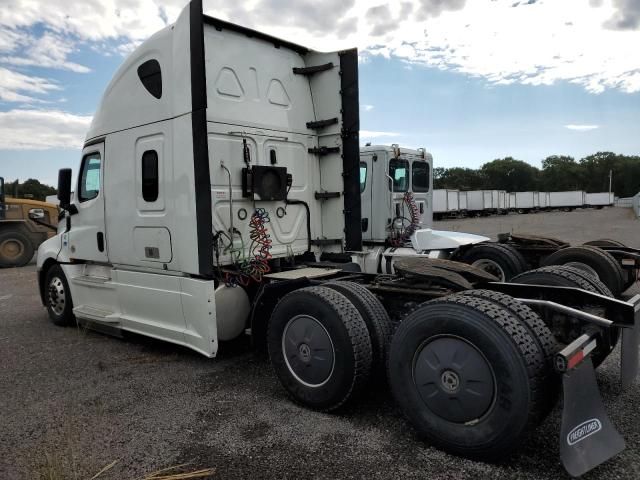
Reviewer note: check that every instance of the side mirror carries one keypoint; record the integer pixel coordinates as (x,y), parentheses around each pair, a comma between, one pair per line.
(36,214)
(64,187)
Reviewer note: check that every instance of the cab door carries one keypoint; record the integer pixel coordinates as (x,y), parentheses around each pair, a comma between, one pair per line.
(366,189)
(87,239)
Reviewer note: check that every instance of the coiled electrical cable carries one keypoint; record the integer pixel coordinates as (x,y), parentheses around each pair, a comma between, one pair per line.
(402,235)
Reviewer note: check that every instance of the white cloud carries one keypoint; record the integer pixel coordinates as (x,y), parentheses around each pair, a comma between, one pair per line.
(581,128)
(9,39)
(366,108)
(87,19)
(41,129)
(48,51)
(590,43)
(376,134)
(16,87)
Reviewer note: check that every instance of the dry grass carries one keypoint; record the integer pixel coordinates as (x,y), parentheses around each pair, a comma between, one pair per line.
(59,459)
(106,468)
(170,473)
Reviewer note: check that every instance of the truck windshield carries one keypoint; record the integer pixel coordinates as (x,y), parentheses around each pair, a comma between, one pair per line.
(399,172)
(420,176)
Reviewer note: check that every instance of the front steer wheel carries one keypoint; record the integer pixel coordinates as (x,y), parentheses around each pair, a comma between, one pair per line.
(58,297)
(319,347)
(466,373)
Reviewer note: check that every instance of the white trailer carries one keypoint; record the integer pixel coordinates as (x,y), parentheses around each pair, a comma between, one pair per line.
(463,202)
(544,200)
(511,200)
(567,200)
(525,202)
(495,201)
(445,203)
(220,193)
(536,200)
(600,199)
(453,201)
(503,201)
(479,202)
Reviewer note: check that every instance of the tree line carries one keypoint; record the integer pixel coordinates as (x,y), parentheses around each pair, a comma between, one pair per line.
(558,173)
(31,189)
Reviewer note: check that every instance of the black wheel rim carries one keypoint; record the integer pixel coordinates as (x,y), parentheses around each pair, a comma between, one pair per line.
(492,267)
(454,379)
(308,351)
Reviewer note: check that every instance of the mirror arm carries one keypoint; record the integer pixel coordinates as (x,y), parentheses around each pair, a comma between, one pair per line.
(44,224)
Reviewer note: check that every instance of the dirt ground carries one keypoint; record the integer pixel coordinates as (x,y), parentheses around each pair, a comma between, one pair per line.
(73,402)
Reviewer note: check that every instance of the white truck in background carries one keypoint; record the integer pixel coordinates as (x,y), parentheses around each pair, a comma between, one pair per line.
(219,193)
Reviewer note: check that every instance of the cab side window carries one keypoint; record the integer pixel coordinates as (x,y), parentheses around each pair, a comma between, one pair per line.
(399,172)
(89,177)
(150,176)
(420,176)
(363,176)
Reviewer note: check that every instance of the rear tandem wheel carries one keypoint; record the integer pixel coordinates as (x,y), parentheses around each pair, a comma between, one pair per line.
(468,375)
(319,347)
(501,260)
(605,265)
(565,276)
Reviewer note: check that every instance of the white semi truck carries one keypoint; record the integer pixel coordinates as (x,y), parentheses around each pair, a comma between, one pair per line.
(219,193)
(391,232)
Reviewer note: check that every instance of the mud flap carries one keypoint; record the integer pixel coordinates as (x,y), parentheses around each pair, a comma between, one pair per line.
(587,437)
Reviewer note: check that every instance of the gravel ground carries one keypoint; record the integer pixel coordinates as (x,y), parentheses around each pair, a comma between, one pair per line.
(73,401)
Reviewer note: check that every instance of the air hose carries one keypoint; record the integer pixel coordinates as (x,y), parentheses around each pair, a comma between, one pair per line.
(402,235)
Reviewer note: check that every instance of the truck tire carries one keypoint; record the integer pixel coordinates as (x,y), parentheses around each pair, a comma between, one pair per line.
(563,276)
(374,315)
(630,275)
(319,347)
(16,250)
(609,272)
(448,342)
(544,339)
(58,297)
(589,277)
(499,259)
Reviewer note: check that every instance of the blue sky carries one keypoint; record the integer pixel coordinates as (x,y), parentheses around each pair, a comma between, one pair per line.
(470,81)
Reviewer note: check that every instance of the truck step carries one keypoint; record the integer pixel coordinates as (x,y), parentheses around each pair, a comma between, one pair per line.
(96,314)
(90,281)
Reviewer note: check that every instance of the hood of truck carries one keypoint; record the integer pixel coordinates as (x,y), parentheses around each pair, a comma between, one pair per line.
(428,239)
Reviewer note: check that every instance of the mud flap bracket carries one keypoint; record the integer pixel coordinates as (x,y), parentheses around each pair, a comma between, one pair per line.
(630,346)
